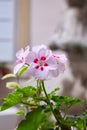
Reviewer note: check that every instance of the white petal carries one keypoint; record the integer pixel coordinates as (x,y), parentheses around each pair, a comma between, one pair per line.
(42,74)
(26,51)
(61,67)
(37,48)
(20,53)
(30,58)
(55,73)
(17,67)
(52,64)
(44,52)
(62,58)
(32,72)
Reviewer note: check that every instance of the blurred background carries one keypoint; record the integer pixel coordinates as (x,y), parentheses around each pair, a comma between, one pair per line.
(59,24)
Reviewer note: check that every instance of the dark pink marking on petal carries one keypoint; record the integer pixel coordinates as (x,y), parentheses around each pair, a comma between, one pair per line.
(22,58)
(20,61)
(43,58)
(45,64)
(42,69)
(56,56)
(37,67)
(35,60)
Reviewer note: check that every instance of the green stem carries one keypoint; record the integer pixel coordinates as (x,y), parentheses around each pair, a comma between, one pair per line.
(62,126)
(65,112)
(38,88)
(49,102)
(18,81)
(84,123)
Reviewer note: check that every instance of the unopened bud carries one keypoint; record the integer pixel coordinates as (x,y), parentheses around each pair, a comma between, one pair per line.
(12,85)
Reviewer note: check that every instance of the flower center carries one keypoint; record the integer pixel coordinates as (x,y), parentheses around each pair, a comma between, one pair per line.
(40,63)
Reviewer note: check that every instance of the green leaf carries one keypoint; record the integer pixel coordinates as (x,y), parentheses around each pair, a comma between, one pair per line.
(71,121)
(69,101)
(82,116)
(22,70)
(33,120)
(9,76)
(46,108)
(81,121)
(38,99)
(53,93)
(12,100)
(77,121)
(20,112)
(49,124)
(79,125)
(18,96)
(28,91)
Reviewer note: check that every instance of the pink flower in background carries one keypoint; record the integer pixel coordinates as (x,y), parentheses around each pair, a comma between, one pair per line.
(21,58)
(60,60)
(41,61)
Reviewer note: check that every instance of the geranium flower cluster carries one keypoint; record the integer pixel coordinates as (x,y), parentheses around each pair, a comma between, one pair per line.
(41,62)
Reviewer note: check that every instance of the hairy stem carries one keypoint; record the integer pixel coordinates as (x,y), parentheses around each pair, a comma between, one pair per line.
(56,115)
(38,88)
(49,103)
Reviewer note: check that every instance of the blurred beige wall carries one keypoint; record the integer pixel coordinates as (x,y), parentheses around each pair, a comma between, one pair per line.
(33,20)
(23,23)
(46,16)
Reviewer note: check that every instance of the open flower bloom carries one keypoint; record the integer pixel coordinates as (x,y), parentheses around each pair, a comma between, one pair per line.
(41,62)
(21,58)
(60,60)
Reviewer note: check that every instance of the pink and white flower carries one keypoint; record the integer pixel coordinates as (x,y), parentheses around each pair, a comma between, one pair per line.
(41,62)
(21,58)
(60,60)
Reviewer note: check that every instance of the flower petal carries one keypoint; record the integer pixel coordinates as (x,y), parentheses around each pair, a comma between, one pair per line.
(42,75)
(31,71)
(39,47)
(18,67)
(30,58)
(44,52)
(26,51)
(52,64)
(20,53)
(62,58)
(55,73)
(60,69)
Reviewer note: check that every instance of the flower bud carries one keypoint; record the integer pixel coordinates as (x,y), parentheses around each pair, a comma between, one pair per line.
(12,85)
